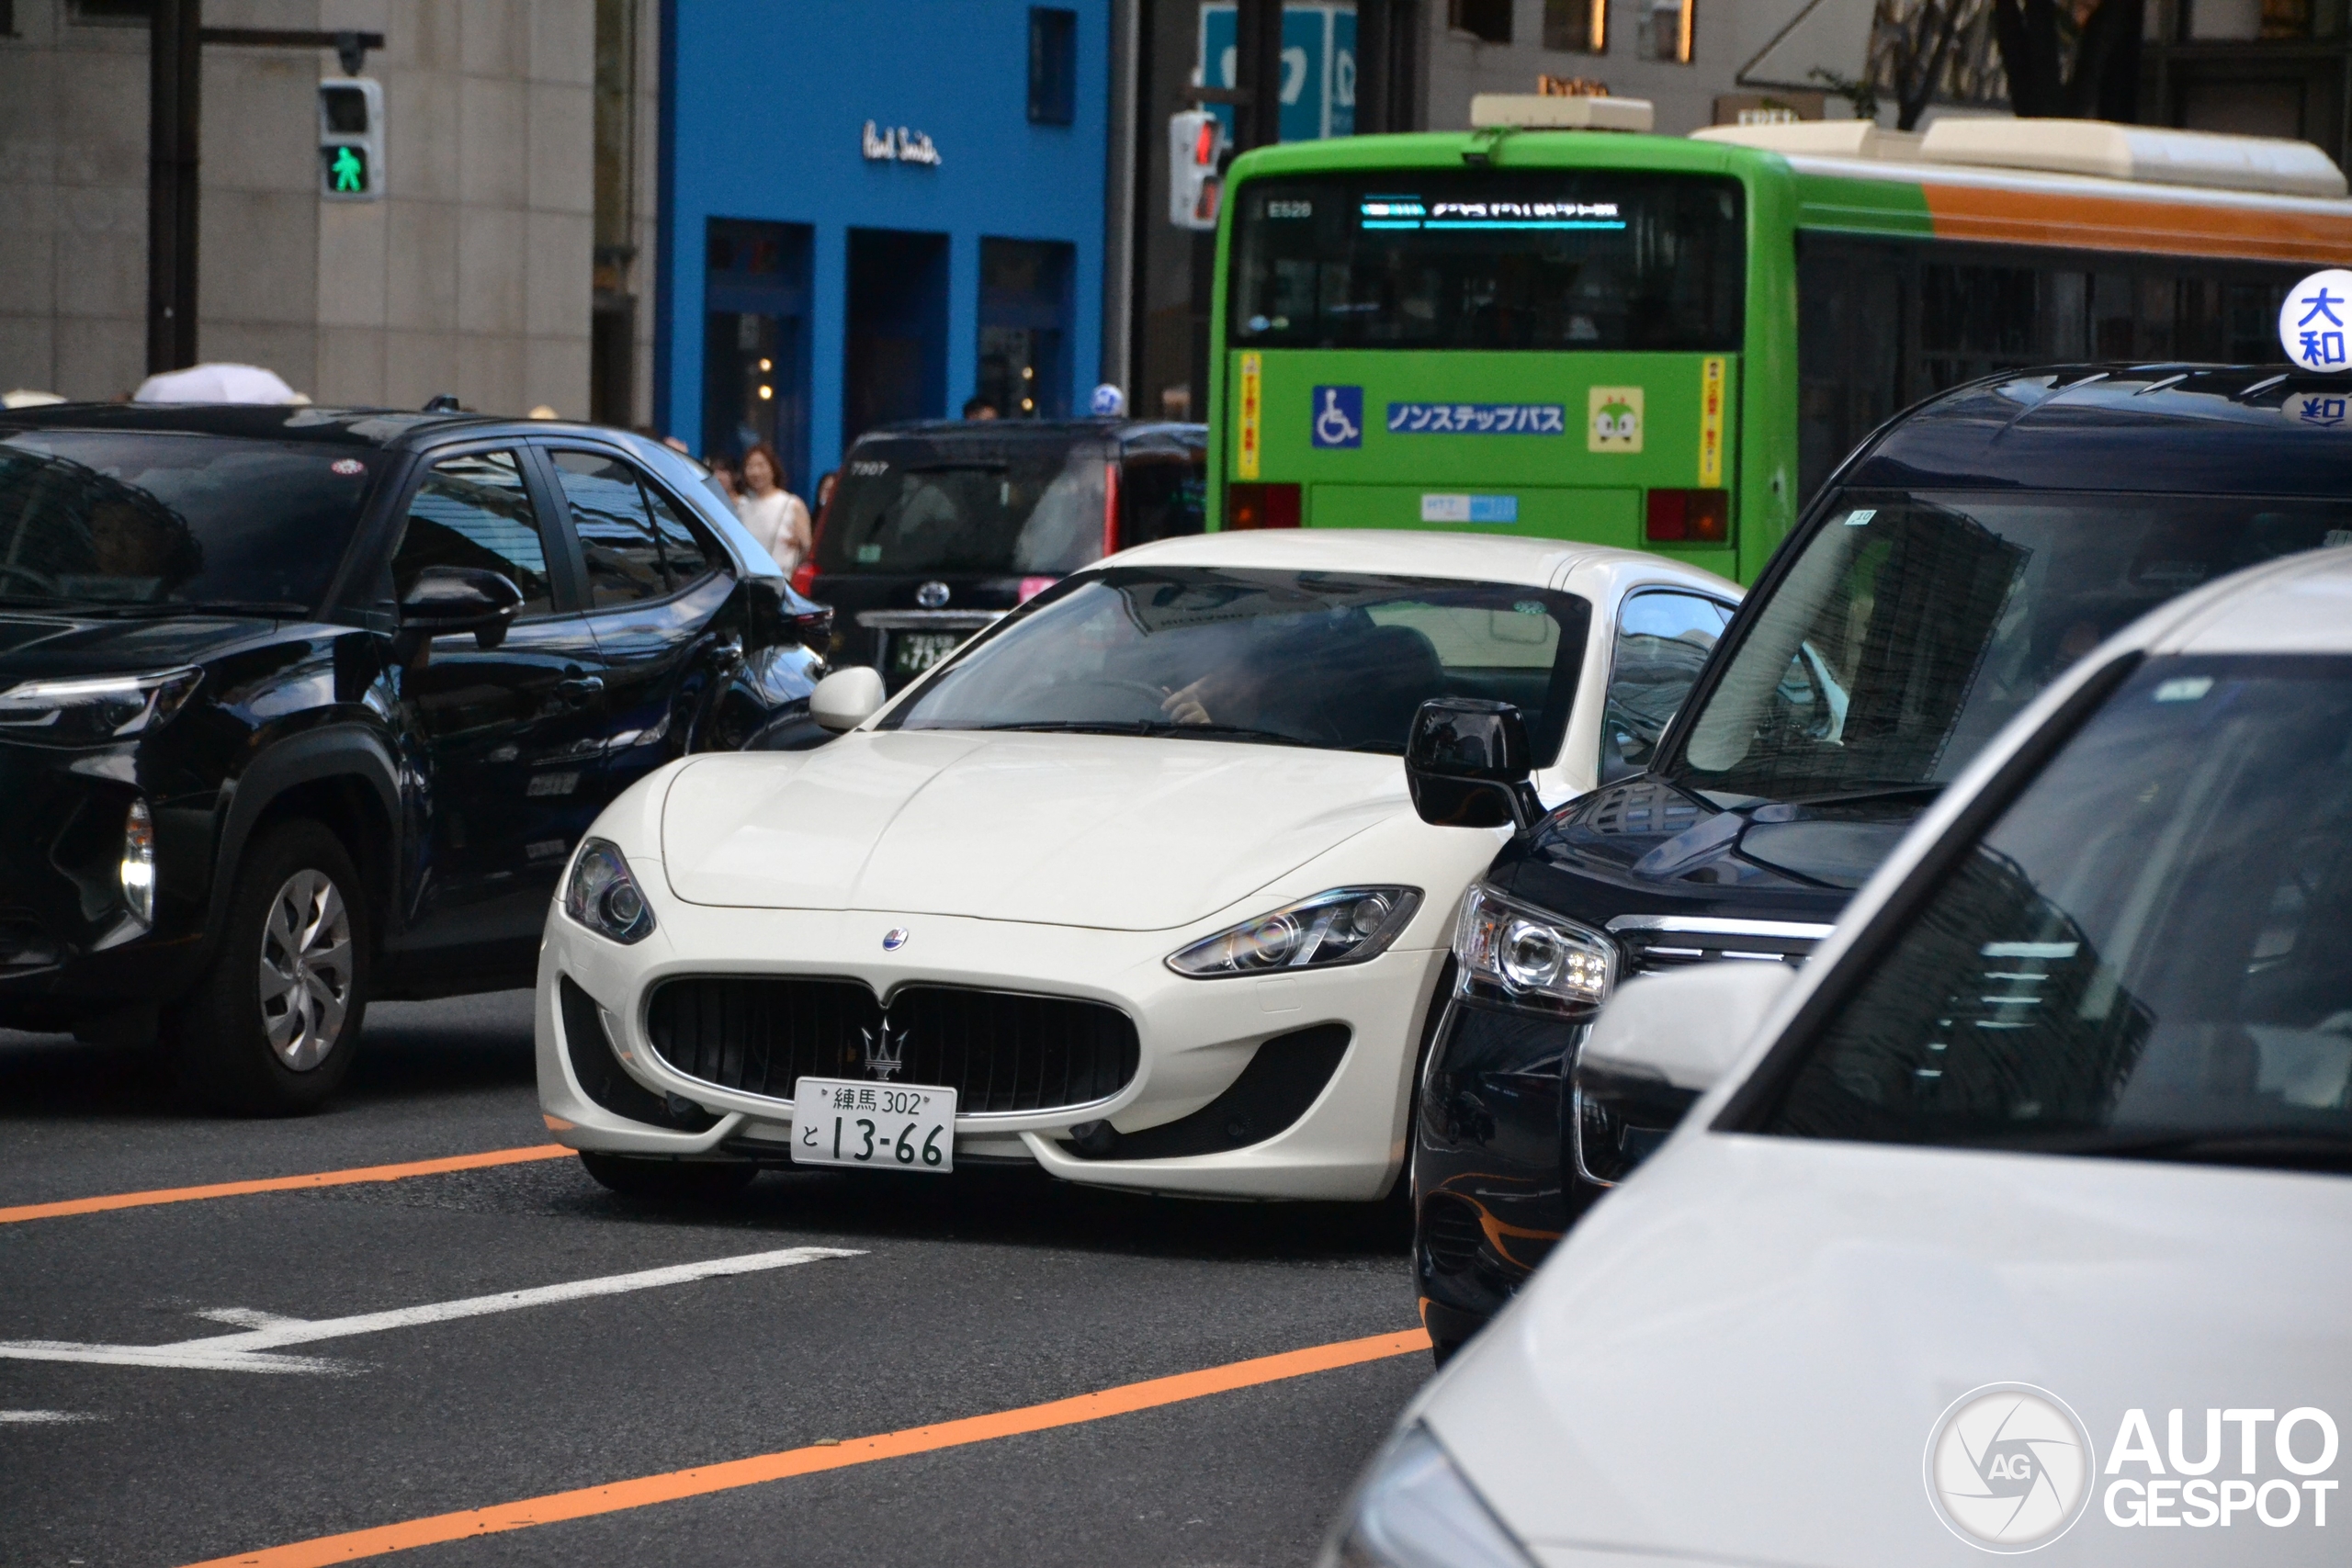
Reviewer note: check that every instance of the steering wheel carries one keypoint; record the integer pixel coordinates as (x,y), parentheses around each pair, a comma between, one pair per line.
(9,569)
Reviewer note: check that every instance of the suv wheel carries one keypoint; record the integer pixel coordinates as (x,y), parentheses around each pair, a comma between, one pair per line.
(272,1027)
(670,1178)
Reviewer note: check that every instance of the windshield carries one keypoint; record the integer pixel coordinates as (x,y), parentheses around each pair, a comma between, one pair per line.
(1306,658)
(2145,953)
(1015,507)
(147,517)
(1914,626)
(1495,259)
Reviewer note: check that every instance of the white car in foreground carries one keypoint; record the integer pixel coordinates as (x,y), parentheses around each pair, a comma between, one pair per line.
(1129,889)
(2020,1218)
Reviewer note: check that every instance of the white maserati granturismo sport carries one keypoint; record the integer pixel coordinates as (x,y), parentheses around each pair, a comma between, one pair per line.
(1129,887)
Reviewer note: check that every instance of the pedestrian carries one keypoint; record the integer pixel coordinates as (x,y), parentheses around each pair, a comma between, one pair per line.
(775,517)
(979,408)
(722,468)
(825,482)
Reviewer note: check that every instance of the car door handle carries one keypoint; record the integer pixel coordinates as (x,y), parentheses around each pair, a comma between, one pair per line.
(579,688)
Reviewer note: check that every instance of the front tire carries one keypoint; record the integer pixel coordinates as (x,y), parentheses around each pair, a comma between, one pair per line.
(673,1180)
(272,1027)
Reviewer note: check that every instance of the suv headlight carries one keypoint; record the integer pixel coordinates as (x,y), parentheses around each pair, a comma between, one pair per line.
(93,708)
(1413,1509)
(601,895)
(1508,953)
(1346,925)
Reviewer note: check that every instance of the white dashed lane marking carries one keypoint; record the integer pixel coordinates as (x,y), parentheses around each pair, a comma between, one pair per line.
(43,1418)
(254,1350)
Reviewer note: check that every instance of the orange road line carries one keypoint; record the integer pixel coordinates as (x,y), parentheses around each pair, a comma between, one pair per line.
(281,1183)
(590,1501)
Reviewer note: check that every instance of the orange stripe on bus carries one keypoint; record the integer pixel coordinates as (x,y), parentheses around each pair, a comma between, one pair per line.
(281,1183)
(619,1495)
(2124,223)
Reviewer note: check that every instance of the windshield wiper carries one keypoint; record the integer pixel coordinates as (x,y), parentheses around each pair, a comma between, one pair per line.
(1866,792)
(182,607)
(1146,726)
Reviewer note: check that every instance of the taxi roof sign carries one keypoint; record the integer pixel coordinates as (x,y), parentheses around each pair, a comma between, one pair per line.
(2315,323)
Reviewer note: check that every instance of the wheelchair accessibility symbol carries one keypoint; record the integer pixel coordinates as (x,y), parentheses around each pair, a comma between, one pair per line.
(1339,416)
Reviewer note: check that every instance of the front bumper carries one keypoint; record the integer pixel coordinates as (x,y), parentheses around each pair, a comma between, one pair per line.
(1492,1196)
(1196,1038)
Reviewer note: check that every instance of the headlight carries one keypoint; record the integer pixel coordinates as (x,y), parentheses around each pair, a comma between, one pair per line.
(1347,925)
(84,710)
(601,895)
(1414,1510)
(1522,957)
(138,871)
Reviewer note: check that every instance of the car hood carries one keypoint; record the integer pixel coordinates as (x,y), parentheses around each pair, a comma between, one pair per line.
(1110,831)
(1740,1355)
(39,646)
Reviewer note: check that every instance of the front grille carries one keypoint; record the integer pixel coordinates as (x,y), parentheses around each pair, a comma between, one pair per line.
(1655,941)
(997,1050)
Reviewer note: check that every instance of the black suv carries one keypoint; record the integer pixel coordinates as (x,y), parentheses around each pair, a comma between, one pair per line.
(300,707)
(936,529)
(1961,558)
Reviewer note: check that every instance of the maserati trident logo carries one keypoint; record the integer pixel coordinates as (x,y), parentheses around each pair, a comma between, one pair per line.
(895,939)
(885,1050)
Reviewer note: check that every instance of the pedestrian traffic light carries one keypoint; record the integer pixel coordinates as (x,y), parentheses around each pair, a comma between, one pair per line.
(351,139)
(1195,151)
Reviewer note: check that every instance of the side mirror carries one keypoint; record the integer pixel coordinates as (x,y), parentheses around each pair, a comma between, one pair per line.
(1660,1043)
(445,600)
(1468,762)
(846,698)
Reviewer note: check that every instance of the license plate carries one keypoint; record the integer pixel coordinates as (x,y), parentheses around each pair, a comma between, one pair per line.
(883,1126)
(911,653)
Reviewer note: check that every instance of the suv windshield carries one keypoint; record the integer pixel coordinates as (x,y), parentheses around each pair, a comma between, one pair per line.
(2144,955)
(1295,658)
(1007,507)
(1914,626)
(1492,259)
(90,518)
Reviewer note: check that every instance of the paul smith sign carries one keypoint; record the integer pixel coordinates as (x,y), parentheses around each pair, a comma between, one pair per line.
(897,144)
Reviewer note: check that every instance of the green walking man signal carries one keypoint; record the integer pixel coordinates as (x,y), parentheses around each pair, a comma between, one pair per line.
(351,139)
(347,170)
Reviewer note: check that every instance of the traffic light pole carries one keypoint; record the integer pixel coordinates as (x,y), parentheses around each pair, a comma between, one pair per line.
(175,77)
(177,36)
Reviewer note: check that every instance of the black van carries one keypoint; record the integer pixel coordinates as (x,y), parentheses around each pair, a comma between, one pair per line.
(1961,558)
(936,529)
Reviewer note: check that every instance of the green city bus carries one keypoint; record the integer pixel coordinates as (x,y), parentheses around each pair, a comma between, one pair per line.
(1666,344)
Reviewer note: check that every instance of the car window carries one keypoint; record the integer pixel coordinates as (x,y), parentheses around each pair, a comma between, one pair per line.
(615,529)
(688,552)
(1322,659)
(476,511)
(1663,641)
(1017,505)
(2144,955)
(1160,498)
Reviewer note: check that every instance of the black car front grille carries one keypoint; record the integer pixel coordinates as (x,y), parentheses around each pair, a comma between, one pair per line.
(1672,943)
(999,1051)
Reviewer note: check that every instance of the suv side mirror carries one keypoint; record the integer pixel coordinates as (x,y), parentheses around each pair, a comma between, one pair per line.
(445,600)
(1660,1043)
(1468,762)
(846,698)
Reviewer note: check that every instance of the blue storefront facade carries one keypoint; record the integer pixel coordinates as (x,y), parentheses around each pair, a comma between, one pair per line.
(873,210)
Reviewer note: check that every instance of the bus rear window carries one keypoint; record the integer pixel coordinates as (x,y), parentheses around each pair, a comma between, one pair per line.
(1491,259)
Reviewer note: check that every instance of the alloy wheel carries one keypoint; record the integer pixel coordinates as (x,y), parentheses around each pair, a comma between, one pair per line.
(306,974)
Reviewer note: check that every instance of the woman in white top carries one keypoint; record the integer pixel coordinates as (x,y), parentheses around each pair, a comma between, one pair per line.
(774,515)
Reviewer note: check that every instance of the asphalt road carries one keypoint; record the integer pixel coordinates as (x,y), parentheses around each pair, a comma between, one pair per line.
(965,1297)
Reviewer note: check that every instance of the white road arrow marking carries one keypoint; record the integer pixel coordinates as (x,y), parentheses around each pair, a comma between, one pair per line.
(254,1350)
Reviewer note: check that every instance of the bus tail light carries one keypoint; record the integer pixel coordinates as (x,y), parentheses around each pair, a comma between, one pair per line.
(1689,517)
(1262,506)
